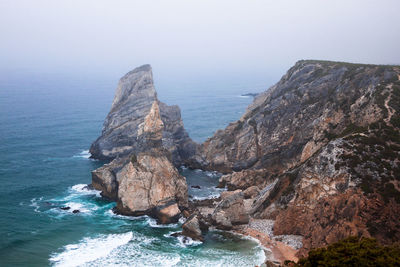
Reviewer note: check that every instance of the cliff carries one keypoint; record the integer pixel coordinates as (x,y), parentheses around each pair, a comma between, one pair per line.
(322,146)
(133,100)
(318,153)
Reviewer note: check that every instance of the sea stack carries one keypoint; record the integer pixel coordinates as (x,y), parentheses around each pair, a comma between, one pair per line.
(134,98)
(145,140)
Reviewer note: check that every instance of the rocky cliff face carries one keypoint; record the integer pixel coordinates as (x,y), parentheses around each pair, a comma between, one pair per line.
(133,100)
(323,147)
(145,138)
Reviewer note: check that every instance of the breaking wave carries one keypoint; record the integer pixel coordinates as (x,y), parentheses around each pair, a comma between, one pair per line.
(89,249)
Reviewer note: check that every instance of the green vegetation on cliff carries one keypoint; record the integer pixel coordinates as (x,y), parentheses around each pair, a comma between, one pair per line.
(352,251)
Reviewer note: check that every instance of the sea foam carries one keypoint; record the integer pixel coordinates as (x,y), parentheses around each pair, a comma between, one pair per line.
(85,154)
(89,249)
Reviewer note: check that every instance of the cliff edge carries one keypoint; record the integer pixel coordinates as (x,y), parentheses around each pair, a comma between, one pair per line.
(321,147)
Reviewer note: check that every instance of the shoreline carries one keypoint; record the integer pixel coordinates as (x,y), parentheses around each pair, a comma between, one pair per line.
(275,251)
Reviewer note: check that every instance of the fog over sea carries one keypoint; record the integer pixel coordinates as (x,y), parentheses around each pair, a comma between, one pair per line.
(47,125)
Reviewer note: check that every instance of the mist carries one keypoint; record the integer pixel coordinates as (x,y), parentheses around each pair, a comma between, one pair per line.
(193,38)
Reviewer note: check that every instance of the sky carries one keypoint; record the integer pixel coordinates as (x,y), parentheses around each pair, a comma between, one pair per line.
(194,38)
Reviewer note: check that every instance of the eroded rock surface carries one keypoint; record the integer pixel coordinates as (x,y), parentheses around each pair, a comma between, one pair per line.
(230,211)
(323,147)
(133,101)
(194,227)
(146,138)
(151,185)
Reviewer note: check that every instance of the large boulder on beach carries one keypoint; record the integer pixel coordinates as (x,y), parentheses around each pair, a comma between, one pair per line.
(230,211)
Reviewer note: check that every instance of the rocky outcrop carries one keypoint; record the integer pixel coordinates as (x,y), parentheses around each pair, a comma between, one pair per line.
(151,185)
(134,98)
(144,184)
(194,227)
(294,118)
(323,145)
(230,211)
(104,178)
(244,179)
(146,138)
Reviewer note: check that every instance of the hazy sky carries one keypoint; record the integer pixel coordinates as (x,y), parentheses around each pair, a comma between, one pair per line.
(194,36)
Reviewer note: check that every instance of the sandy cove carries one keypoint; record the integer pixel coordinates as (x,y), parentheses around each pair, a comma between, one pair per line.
(279,251)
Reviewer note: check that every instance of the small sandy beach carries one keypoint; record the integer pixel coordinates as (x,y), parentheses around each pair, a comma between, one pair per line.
(261,230)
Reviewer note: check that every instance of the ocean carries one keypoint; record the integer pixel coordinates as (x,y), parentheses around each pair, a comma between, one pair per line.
(47,125)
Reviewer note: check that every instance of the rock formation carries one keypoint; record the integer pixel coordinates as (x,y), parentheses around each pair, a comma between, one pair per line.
(194,227)
(133,100)
(145,138)
(318,153)
(322,146)
(230,211)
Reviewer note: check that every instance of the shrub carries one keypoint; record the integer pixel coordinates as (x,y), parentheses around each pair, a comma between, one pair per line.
(353,251)
(133,159)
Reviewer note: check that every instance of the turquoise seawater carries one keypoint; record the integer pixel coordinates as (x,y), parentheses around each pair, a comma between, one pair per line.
(47,126)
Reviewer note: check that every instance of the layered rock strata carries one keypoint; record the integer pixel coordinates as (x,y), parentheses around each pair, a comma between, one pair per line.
(145,138)
(133,100)
(322,146)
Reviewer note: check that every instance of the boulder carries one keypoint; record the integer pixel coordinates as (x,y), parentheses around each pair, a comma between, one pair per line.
(251,192)
(167,212)
(230,211)
(191,228)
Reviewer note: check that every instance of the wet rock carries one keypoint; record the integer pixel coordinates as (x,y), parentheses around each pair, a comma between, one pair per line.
(167,213)
(76,211)
(195,186)
(104,178)
(65,208)
(269,263)
(191,228)
(88,187)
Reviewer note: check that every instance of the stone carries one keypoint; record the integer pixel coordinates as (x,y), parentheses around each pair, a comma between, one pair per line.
(167,213)
(191,228)
(230,210)
(243,179)
(104,178)
(152,186)
(251,192)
